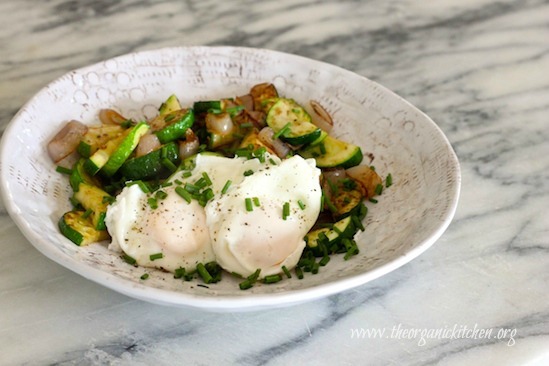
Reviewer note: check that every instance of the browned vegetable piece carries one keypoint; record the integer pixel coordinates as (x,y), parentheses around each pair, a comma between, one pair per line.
(66,141)
(111,117)
(367,178)
(264,95)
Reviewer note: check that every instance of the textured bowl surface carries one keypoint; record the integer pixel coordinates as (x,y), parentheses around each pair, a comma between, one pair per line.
(408,219)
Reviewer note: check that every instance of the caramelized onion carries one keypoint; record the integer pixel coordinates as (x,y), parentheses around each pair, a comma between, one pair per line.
(66,141)
(148,143)
(111,117)
(366,177)
(280,148)
(190,146)
(247,101)
(221,123)
(320,117)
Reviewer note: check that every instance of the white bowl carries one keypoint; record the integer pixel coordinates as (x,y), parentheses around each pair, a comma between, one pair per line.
(410,216)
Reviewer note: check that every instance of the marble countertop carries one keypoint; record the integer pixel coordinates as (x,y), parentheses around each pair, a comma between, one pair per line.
(480,69)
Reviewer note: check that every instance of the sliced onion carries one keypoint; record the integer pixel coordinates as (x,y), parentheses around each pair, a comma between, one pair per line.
(111,117)
(190,146)
(148,143)
(69,160)
(366,177)
(334,175)
(66,141)
(247,101)
(221,123)
(258,117)
(280,148)
(320,117)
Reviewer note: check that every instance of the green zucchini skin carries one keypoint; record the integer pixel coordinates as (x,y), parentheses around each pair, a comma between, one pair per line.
(178,123)
(299,131)
(150,165)
(79,229)
(332,153)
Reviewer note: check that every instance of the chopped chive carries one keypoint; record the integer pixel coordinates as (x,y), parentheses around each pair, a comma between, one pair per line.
(286,272)
(363,211)
(167,163)
(185,175)
(259,153)
(226,186)
(179,272)
(389,180)
(63,170)
(301,204)
(201,183)
(333,187)
(203,272)
(249,205)
(235,110)
(156,256)
(330,205)
(373,168)
(144,187)
(256,201)
(271,160)
(249,172)
(272,279)
(87,213)
(166,184)
(378,189)
(191,188)
(153,203)
(373,200)
(237,275)
(315,268)
(299,272)
(254,276)
(337,230)
(183,193)
(322,148)
(128,259)
(351,252)
(358,224)
(246,125)
(324,261)
(144,276)
(160,194)
(282,131)
(208,194)
(207,178)
(285,210)
(246,284)
(178,182)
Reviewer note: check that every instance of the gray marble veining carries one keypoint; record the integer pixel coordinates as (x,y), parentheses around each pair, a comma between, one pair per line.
(480,69)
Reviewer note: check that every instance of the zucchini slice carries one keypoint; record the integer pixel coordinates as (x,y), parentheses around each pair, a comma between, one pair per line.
(152,164)
(78,228)
(330,238)
(331,153)
(292,122)
(99,158)
(346,202)
(95,199)
(97,137)
(80,175)
(264,96)
(170,105)
(176,124)
(124,150)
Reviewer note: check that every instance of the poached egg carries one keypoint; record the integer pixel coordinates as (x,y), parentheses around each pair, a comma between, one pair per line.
(226,229)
